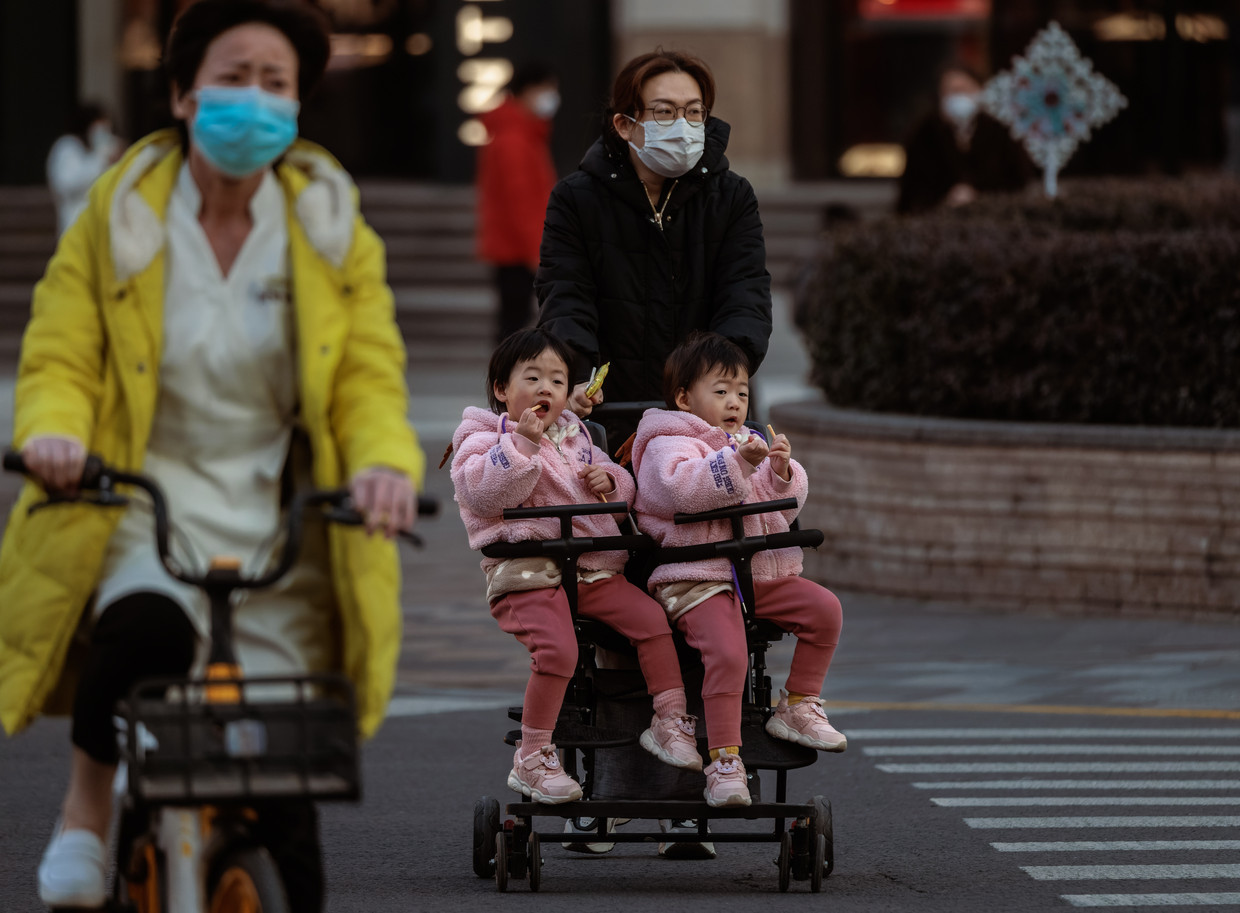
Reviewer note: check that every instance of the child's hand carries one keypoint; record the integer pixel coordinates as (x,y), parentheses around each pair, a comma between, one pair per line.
(581,405)
(596,480)
(781,456)
(753,450)
(531,426)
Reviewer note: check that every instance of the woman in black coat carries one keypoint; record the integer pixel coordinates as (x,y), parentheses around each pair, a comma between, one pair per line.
(959,151)
(653,237)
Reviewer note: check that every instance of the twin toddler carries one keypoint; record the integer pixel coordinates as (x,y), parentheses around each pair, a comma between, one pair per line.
(528,451)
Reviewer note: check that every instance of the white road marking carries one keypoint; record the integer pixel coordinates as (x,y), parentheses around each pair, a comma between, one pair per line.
(1151,900)
(1078,784)
(424,705)
(1090,846)
(1125,872)
(1108,821)
(1030,801)
(1071,767)
(1038,750)
(1212,732)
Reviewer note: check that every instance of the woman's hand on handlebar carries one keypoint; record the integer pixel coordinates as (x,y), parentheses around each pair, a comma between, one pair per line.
(56,461)
(581,405)
(386,498)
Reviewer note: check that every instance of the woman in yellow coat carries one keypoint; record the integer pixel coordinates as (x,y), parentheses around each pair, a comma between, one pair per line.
(219,318)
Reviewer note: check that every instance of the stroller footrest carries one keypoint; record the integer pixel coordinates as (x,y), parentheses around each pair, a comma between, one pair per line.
(578,735)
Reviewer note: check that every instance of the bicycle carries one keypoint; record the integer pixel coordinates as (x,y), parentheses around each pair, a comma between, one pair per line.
(198,754)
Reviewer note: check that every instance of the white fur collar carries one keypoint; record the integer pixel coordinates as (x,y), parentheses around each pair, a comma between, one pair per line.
(326,209)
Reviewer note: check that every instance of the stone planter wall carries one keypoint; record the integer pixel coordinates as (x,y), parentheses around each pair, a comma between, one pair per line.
(998,514)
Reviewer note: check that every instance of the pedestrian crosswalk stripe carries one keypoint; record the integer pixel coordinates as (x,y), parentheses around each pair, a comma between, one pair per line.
(892,751)
(1078,784)
(1109,821)
(1090,846)
(1126,872)
(1212,732)
(1032,801)
(1067,767)
(1151,900)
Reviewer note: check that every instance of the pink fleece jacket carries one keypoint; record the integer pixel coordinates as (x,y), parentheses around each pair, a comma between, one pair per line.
(492,470)
(685,465)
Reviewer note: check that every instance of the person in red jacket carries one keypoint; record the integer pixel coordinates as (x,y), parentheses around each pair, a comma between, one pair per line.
(515,177)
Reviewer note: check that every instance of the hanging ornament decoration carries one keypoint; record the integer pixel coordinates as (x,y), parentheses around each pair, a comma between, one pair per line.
(1050,100)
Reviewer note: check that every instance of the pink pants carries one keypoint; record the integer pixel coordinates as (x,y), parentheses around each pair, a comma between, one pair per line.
(717,630)
(541,620)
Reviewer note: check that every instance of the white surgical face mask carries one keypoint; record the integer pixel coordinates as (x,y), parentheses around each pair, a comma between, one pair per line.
(960,107)
(546,103)
(672,150)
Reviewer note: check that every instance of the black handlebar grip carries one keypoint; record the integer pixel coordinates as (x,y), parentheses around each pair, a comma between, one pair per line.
(428,506)
(13,462)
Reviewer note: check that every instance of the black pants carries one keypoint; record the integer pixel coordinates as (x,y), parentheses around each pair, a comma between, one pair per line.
(146,635)
(516,296)
(143,635)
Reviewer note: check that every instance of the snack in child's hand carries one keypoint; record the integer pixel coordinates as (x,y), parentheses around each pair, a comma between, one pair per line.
(596,380)
(772,430)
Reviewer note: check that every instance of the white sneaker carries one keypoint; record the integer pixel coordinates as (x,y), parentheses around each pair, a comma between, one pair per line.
(585,826)
(687,850)
(73,871)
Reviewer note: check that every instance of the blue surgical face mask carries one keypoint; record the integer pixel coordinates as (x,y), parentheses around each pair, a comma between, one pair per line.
(242,130)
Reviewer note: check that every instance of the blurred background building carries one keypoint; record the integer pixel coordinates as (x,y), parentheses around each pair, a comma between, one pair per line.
(815,89)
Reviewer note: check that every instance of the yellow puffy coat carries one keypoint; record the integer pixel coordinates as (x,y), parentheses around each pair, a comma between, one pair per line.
(90,368)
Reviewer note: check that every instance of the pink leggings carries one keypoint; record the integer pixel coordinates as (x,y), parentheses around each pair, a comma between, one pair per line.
(541,620)
(717,630)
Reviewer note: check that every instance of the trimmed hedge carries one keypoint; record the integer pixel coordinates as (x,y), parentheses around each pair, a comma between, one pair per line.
(1118,303)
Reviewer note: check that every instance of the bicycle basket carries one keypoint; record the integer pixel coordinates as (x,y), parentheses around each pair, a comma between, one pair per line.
(280,737)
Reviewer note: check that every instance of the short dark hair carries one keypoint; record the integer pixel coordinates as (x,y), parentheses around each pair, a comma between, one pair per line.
(305,26)
(700,353)
(626,92)
(531,73)
(523,345)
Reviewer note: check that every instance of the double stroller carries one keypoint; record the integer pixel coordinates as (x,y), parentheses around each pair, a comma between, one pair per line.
(510,847)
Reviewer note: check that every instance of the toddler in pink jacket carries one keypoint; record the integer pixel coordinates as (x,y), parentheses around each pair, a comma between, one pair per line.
(698,455)
(527,451)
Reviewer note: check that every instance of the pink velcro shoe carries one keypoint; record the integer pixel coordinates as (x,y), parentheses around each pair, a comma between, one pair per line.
(672,740)
(805,723)
(725,782)
(541,777)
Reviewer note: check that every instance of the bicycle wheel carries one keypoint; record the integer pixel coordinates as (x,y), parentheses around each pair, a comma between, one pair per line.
(246,880)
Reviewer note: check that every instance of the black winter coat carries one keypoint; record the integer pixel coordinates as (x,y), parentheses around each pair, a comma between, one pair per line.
(934,162)
(619,289)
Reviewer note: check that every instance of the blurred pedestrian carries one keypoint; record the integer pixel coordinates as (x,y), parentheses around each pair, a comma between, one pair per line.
(959,151)
(86,151)
(515,177)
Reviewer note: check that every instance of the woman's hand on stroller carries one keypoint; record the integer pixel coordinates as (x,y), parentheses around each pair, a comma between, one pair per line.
(55,460)
(386,498)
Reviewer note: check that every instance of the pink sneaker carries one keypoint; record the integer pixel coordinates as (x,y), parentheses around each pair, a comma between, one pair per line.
(805,723)
(725,782)
(541,777)
(672,741)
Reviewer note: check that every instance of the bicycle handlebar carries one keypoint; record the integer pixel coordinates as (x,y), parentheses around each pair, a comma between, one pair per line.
(98,476)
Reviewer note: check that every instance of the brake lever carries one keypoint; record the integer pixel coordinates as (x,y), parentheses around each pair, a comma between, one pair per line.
(102,499)
(347,516)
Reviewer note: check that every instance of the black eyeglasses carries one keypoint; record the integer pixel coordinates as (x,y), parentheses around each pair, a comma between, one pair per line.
(665,113)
